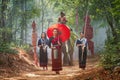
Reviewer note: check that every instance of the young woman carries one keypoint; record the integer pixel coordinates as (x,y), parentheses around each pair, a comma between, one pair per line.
(43,56)
(55,45)
(82,50)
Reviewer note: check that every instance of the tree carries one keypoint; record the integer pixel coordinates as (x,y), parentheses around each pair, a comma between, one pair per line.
(106,10)
(3,19)
(14,19)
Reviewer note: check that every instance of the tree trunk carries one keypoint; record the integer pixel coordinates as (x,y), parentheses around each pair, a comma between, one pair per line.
(25,23)
(42,14)
(10,35)
(114,33)
(3,19)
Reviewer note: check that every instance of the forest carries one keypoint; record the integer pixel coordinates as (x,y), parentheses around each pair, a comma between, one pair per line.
(16,17)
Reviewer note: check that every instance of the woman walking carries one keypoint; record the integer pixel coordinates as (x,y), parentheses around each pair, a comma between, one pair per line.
(82,51)
(55,45)
(43,56)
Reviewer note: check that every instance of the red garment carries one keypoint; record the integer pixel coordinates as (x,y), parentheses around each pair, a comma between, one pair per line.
(56,62)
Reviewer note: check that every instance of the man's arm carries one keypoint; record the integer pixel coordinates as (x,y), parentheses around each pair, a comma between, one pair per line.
(59,19)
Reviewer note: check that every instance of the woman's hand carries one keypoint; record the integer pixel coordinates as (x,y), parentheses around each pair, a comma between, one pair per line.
(40,46)
(59,43)
(52,47)
(80,45)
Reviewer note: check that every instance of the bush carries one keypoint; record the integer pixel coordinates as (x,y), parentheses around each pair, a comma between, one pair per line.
(110,60)
(26,47)
(6,48)
(111,57)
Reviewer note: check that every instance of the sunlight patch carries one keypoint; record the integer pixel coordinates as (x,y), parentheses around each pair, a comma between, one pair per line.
(31,75)
(70,75)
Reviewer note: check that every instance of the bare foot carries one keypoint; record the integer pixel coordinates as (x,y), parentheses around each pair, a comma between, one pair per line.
(46,68)
(57,72)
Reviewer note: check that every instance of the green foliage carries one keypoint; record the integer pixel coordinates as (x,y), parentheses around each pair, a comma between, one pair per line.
(112,46)
(14,18)
(110,60)
(111,57)
(6,48)
(70,8)
(73,38)
(26,47)
(109,11)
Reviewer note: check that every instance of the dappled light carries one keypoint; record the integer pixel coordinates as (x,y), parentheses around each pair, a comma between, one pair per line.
(59,39)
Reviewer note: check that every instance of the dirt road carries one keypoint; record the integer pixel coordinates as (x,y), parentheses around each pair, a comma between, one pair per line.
(66,74)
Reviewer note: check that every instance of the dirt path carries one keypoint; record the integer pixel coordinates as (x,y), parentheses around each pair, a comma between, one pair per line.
(66,74)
